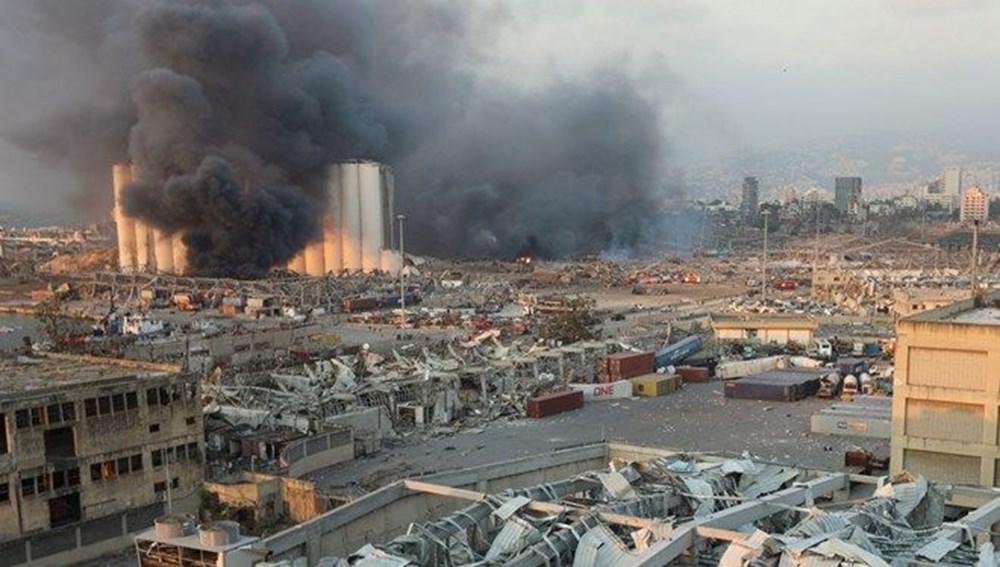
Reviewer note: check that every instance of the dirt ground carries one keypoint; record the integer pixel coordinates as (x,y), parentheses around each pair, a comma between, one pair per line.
(698,419)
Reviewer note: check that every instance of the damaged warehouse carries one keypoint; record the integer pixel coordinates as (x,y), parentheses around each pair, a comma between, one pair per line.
(638,506)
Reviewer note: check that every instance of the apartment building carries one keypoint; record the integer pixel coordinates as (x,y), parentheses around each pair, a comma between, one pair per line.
(92,450)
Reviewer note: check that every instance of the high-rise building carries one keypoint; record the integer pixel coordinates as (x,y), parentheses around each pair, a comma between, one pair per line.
(847,194)
(750,204)
(952,180)
(975,205)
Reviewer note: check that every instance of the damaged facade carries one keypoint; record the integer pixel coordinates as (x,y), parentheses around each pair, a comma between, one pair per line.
(91,450)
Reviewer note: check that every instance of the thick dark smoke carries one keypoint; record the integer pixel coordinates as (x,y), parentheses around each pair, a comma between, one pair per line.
(232,110)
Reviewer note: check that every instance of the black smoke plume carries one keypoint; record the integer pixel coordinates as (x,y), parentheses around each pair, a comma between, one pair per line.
(233,110)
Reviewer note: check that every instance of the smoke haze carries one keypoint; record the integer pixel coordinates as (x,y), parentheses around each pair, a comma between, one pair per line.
(232,110)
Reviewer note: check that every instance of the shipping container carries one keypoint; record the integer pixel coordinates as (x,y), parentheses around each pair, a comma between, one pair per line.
(740,368)
(625,365)
(677,352)
(359,304)
(776,385)
(610,391)
(652,385)
(551,404)
(691,374)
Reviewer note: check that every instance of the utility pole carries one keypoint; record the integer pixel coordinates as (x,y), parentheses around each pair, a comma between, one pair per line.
(975,259)
(816,243)
(763,269)
(402,266)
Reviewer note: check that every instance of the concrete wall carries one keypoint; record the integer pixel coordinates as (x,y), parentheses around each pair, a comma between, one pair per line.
(315,452)
(765,335)
(946,399)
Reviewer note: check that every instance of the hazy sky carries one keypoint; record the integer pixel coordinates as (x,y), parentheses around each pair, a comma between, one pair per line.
(734,76)
(769,74)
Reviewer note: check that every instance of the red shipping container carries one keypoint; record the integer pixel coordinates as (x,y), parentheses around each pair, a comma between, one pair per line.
(693,374)
(625,365)
(557,402)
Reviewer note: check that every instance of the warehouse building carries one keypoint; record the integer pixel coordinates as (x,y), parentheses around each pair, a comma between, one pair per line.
(609,504)
(768,328)
(92,450)
(946,393)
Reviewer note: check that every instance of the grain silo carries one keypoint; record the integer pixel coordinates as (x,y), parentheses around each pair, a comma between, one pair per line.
(356,225)
(142,248)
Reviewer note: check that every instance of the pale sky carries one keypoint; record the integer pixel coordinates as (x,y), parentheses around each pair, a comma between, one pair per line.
(767,74)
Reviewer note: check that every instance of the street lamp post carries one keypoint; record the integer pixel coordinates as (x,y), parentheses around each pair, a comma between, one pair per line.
(402,265)
(763,270)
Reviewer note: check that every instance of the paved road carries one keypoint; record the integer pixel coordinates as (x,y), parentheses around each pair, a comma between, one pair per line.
(697,418)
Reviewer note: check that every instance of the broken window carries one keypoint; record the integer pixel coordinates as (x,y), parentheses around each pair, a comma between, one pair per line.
(54,412)
(22,418)
(154,427)
(60,443)
(64,510)
(151,397)
(118,403)
(38,416)
(131,400)
(73,476)
(175,483)
(194,455)
(4,492)
(136,462)
(157,457)
(28,486)
(104,405)
(4,448)
(123,467)
(189,420)
(42,483)
(69,411)
(108,470)
(95,472)
(159,487)
(58,480)
(90,407)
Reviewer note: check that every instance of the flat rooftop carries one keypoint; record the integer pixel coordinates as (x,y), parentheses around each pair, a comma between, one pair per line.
(24,375)
(984,311)
(763,321)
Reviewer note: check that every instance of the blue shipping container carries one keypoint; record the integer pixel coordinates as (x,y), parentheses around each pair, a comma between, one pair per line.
(671,355)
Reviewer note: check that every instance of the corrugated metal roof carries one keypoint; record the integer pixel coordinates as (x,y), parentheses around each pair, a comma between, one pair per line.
(768,483)
(616,485)
(510,507)
(600,547)
(819,523)
(373,557)
(513,537)
(935,550)
(840,548)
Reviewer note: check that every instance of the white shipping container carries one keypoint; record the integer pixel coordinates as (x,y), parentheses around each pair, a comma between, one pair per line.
(740,368)
(609,391)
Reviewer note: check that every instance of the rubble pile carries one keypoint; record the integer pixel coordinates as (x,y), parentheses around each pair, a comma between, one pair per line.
(475,380)
(801,305)
(742,512)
